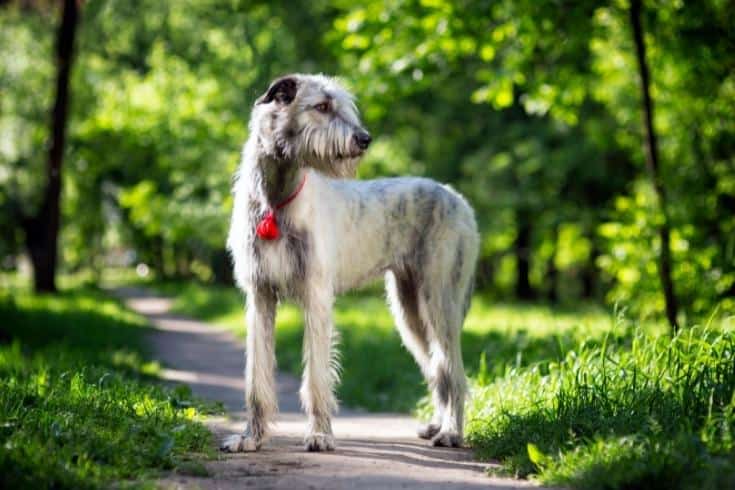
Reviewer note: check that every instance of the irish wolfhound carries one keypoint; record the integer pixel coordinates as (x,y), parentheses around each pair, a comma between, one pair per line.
(302,230)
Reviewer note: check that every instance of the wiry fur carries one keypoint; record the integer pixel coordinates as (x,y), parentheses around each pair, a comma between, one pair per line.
(336,235)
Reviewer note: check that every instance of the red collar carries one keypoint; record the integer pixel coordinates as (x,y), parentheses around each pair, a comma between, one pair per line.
(292,196)
(267,228)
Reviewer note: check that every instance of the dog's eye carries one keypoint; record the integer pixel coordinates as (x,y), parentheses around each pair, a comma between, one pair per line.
(322,107)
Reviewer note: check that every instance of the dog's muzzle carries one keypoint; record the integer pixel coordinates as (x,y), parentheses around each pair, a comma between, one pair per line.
(362,139)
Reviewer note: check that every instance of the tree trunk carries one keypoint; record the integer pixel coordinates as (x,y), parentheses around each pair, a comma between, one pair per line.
(522,250)
(589,273)
(42,230)
(222,267)
(485,273)
(652,162)
(552,271)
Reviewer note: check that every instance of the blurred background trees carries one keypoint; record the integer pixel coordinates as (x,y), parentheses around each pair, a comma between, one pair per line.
(533,109)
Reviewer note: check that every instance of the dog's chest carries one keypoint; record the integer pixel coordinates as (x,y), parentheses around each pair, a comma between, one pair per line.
(282,262)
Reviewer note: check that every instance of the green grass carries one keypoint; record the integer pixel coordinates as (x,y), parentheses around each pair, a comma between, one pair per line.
(79,405)
(638,411)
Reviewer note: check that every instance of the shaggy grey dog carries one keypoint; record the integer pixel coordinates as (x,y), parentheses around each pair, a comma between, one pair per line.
(301,229)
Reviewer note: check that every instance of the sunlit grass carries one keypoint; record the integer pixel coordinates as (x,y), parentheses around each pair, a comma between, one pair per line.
(638,411)
(79,406)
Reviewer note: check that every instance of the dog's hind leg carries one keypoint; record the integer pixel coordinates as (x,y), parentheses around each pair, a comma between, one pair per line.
(321,370)
(403,300)
(444,299)
(260,394)
(446,371)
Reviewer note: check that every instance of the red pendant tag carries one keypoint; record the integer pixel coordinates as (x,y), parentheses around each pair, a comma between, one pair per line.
(267,229)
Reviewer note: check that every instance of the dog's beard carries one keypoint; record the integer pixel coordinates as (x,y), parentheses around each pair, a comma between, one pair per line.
(340,167)
(346,167)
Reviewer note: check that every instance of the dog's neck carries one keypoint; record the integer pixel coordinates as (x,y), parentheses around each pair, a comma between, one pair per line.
(275,179)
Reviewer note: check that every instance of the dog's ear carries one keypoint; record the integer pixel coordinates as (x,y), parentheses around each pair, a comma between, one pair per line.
(282,91)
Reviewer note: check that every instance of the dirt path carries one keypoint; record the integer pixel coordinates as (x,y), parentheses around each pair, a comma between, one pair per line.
(374,451)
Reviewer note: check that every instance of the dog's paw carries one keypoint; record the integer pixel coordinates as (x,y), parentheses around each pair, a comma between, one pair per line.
(447,439)
(319,441)
(428,431)
(239,443)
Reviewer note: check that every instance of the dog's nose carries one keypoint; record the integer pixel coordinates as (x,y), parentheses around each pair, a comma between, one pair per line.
(363,140)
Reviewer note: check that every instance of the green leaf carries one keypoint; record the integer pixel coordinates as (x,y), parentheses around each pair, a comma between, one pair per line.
(536,456)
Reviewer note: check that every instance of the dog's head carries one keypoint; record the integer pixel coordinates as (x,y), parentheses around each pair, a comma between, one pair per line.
(313,120)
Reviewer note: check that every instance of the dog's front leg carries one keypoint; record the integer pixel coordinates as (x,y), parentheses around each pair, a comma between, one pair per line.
(320,371)
(260,394)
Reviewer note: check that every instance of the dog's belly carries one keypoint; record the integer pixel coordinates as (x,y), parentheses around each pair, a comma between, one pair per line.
(361,262)
(389,223)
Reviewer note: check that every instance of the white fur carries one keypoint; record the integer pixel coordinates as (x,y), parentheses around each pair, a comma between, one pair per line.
(340,234)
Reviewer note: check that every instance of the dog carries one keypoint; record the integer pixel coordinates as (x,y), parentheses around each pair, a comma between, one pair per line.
(303,229)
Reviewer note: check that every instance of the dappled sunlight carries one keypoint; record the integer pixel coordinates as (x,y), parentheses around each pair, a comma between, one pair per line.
(536,320)
(595,142)
(183,376)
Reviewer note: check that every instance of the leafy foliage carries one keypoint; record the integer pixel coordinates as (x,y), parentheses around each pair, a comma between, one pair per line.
(530,108)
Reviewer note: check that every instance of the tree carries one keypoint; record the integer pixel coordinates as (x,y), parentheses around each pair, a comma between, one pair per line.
(530,108)
(42,228)
(652,163)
